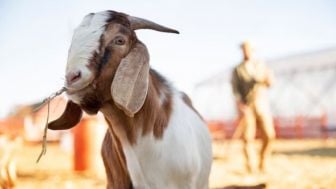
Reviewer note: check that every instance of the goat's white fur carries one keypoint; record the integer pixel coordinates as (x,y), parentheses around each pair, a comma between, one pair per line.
(180,160)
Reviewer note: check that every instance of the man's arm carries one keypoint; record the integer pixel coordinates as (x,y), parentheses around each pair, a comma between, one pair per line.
(235,85)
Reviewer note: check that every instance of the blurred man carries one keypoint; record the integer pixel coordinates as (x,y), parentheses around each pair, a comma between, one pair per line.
(250,80)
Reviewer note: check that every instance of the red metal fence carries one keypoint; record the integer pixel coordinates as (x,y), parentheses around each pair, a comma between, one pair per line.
(285,127)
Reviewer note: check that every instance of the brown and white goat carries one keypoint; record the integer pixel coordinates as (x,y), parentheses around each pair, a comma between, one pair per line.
(155,138)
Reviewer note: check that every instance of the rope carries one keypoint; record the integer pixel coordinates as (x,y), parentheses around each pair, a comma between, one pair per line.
(44,140)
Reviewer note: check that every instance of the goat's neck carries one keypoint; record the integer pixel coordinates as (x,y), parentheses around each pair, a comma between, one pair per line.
(152,118)
(117,130)
(118,123)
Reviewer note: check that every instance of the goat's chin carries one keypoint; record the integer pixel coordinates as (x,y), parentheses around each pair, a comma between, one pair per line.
(77,89)
(87,98)
(75,96)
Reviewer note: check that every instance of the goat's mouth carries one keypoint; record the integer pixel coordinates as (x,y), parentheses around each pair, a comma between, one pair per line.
(86,98)
(72,91)
(77,94)
(79,91)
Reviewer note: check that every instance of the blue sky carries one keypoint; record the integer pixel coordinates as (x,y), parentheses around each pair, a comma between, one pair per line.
(35,37)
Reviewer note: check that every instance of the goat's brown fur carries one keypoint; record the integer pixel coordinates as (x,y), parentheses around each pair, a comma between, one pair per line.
(152,117)
(114,163)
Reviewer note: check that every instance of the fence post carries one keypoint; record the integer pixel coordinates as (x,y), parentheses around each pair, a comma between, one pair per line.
(324,125)
(299,126)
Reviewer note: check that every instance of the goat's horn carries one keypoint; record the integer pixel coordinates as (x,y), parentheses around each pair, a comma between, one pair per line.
(140,23)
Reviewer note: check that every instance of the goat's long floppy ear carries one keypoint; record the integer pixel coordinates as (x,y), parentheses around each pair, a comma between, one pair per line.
(130,84)
(70,117)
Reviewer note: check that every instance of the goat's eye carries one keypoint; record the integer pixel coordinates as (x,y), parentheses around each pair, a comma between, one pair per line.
(119,41)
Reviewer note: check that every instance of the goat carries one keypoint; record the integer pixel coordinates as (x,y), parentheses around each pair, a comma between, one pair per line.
(155,139)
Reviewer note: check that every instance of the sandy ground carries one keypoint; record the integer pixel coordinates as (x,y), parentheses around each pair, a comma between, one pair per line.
(295,164)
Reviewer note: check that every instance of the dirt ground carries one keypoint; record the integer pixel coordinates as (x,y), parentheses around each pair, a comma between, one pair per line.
(295,164)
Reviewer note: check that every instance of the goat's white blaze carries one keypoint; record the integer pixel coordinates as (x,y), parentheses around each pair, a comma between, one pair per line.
(85,41)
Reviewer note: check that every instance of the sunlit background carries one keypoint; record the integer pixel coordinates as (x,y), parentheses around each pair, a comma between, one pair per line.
(35,37)
(296,39)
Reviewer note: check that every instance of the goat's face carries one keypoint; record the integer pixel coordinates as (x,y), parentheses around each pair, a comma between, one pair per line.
(106,61)
(98,45)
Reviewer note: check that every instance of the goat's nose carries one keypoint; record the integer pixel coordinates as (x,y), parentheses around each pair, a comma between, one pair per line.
(72,77)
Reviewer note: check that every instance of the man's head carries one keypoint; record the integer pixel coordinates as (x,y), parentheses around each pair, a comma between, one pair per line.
(247,50)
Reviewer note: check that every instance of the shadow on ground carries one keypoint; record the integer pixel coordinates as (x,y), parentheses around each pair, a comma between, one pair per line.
(259,186)
(323,152)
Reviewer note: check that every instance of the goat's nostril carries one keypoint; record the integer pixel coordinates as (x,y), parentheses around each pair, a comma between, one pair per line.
(73,77)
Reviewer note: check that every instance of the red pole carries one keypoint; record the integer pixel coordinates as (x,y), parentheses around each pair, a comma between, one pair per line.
(84,144)
(299,126)
(324,125)
(277,127)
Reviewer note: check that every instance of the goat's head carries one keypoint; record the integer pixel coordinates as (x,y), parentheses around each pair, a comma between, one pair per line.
(106,61)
